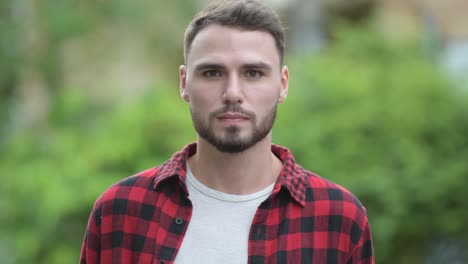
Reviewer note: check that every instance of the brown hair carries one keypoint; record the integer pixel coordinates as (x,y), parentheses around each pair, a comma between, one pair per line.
(244,14)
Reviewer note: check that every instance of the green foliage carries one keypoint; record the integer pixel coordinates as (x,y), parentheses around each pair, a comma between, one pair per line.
(35,38)
(378,118)
(50,179)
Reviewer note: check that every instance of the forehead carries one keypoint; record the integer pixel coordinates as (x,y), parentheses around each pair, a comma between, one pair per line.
(230,45)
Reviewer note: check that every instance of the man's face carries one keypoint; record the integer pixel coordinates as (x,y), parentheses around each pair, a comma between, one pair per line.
(233,82)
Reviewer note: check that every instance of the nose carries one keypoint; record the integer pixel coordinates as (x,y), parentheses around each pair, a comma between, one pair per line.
(232,93)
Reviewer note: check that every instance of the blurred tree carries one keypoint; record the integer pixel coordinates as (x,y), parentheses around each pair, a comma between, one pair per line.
(379,118)
(47,47)
(48,186)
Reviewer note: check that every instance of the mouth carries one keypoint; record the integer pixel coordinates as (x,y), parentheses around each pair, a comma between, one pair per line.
(232,118)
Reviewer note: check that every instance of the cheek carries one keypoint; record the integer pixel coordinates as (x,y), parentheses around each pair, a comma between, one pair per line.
(267,97)
(201,99)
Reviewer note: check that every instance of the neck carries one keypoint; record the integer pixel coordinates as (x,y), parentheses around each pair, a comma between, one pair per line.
(236,173)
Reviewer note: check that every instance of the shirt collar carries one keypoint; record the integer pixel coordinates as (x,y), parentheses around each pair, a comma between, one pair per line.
(292,176)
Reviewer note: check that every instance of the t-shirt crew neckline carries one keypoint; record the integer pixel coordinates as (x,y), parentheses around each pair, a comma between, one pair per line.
(222,196)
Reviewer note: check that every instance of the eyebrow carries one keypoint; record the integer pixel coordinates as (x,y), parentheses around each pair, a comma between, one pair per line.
(255,65)
(209,65)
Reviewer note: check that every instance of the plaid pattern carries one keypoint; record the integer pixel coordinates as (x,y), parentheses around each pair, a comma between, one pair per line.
(307,219)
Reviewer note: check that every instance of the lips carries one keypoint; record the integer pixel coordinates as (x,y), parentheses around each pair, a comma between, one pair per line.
(232,116)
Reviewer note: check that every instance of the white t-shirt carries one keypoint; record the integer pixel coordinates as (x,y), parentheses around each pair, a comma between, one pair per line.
(219,228)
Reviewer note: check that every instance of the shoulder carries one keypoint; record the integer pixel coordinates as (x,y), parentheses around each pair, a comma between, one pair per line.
(130,189)
(329,195)
(336,210)
(336,207)
(315,193)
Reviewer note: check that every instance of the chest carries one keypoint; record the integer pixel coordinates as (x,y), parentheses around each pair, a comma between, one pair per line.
(276,231)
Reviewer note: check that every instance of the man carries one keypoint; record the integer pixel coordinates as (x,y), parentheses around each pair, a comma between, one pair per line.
(231,197)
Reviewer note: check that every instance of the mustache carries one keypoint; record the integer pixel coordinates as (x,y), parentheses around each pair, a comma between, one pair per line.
(231,108)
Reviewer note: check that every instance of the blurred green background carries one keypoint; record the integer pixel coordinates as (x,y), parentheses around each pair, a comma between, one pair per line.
(378,102)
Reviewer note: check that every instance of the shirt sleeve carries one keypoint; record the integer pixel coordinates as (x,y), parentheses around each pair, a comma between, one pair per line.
(364,252)
(91,247)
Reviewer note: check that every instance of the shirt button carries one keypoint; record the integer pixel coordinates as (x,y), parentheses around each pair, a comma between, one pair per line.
(179,221)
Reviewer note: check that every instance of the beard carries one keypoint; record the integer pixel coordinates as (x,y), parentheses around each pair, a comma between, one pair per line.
(230,140)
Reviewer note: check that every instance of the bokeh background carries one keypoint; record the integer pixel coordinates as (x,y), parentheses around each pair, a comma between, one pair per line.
(378,102)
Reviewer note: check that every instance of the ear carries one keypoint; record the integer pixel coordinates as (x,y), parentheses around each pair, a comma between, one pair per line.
(284,84)
(183,82)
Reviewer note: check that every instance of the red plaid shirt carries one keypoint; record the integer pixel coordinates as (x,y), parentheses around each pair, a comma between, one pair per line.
(306,219)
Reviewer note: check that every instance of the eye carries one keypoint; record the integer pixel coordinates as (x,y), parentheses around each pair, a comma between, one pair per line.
(212,74)
(253,74)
